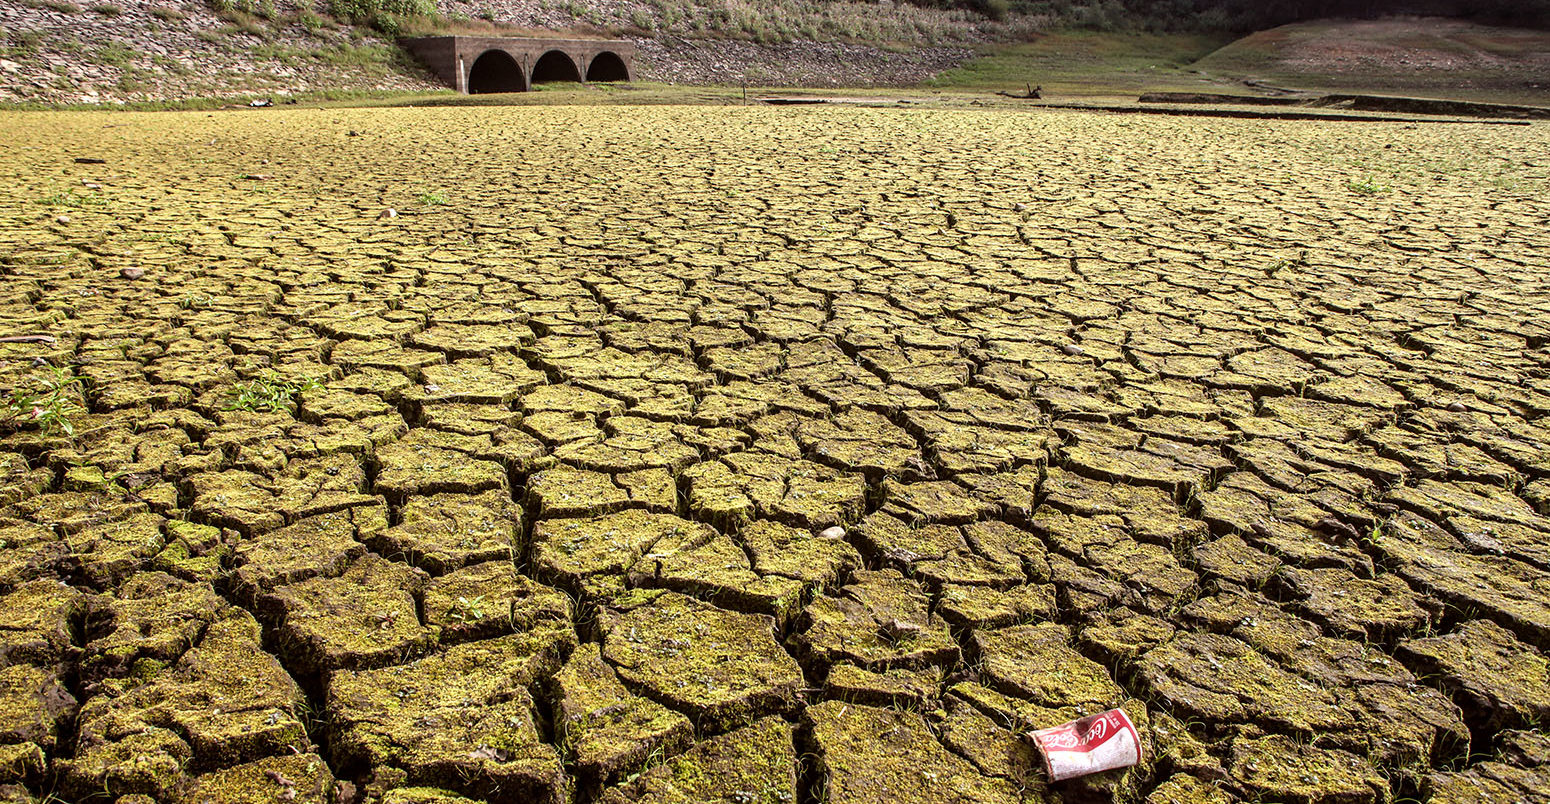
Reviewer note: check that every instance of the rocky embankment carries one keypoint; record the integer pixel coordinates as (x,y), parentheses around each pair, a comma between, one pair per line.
(802,64)
(135,50)
(57,52)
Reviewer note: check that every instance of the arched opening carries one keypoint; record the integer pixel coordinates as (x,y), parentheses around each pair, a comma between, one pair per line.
(495,71)
(607,66)
(555,66)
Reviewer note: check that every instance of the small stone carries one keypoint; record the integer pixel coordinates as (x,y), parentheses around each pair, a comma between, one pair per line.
(131,273)
(835,532)
(1019,207)
(389,213)
(1457,407)
(62,219)
(1071,349)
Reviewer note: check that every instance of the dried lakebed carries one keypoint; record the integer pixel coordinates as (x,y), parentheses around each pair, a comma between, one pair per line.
(517,495)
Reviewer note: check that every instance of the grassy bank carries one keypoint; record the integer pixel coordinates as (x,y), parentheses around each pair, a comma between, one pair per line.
(1087,63)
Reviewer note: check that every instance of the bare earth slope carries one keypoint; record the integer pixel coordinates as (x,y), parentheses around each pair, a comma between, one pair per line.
(1403,53)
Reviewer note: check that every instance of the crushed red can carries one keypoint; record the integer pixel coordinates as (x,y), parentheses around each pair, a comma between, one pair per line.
(1093,744)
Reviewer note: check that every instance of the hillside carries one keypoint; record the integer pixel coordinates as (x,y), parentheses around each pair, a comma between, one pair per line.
(57,51)
(1411,54)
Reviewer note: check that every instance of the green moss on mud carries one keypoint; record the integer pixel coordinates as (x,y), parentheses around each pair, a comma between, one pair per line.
(366,617)
(868,754)
(757,764)
(461,719)
(302,778)
(723,668)
(607,730)
(146,739)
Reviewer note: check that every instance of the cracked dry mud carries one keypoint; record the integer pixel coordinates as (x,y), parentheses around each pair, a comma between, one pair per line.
(757,455)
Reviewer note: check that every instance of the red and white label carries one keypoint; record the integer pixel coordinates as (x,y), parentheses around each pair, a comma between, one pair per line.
(1092,744)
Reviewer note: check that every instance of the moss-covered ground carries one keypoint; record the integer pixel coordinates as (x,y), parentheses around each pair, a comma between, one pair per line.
(780,455)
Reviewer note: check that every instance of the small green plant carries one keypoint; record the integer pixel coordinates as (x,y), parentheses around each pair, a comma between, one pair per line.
(433,199)
(107,9)
(62,6)
(387,16)
(166,14)
(1368,186)
(70,198)
(310,20)
(270,393)
(191,301)
(49,406)
(467,610)
(116,54)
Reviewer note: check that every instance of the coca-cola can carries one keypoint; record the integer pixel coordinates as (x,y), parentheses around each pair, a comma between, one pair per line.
(1093,744)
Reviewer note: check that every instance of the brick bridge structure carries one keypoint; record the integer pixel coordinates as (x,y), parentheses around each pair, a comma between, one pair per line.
(478,64)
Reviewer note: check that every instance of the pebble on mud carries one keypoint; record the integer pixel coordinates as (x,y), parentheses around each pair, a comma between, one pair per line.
(387,213)
(62,219)
(835,532)
(131,273)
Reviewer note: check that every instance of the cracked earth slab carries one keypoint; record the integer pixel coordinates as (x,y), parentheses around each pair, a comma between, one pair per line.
(637,474)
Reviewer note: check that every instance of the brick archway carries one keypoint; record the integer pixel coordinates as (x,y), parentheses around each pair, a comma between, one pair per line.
(455,58)
(554,66)
(607,66)
(496,71)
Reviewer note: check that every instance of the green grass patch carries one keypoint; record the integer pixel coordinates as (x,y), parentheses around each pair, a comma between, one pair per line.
(115,54)
(1368,186)
(1082,61)
(270,393)
(73,200)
